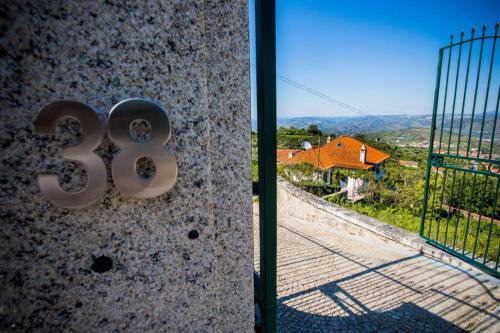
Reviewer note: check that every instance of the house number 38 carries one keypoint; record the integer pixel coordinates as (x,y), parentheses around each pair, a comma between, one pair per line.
(123,165)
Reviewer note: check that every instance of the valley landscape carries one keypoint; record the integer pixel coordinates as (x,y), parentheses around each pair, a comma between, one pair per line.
(401,129)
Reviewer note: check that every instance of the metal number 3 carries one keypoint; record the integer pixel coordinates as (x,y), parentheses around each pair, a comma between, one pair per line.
(123,169)
(92,131)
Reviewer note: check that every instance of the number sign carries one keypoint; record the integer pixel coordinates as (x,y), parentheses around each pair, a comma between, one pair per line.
(123,165)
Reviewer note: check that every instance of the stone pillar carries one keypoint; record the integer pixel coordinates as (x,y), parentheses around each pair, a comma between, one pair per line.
(181,262)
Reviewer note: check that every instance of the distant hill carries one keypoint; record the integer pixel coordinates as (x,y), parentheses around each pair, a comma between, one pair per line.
(399,136)
(419,137)
(367,124)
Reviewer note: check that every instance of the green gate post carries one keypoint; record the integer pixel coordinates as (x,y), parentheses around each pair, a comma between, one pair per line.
(265,23)
(431,142)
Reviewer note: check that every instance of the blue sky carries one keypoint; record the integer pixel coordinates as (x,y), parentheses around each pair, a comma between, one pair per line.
(378,56)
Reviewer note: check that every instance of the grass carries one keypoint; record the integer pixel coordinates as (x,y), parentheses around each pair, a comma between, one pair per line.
(402,218)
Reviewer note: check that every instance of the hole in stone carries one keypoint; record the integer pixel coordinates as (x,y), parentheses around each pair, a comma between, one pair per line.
(140,130)
(102,264)
(145,167)
(193,234)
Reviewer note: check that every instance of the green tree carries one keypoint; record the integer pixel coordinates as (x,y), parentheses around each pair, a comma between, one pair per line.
(314,130)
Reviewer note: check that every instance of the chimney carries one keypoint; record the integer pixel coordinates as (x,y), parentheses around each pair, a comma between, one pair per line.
(291,154)
(362,154)
(328,139)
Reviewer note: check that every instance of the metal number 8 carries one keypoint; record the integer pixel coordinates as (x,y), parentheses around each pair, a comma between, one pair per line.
(123,166)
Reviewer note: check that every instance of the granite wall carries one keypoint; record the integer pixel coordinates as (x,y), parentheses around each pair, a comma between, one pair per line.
(181,262)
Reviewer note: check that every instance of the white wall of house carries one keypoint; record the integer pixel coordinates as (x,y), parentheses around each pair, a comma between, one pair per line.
(354,185)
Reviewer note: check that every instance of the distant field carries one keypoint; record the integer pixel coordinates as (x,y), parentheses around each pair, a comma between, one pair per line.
(401,136)
(421,135)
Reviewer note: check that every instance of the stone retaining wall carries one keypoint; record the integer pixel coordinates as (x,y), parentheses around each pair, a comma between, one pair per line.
(296,203)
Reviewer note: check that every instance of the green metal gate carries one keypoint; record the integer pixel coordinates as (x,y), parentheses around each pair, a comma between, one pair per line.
(461,213)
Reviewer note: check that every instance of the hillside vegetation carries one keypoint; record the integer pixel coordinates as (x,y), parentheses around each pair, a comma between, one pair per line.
(398,198)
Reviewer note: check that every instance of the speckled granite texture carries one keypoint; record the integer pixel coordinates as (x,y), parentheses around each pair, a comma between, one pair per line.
(192,57)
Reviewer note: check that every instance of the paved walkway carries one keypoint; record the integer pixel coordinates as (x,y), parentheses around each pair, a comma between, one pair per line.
(329,281)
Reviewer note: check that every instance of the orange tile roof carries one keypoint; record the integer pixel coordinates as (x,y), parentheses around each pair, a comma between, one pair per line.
(342,152)
(283,154)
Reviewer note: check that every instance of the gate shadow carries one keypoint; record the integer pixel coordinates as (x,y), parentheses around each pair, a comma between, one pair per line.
(371,298)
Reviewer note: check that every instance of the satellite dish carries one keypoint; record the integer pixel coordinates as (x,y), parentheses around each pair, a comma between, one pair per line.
(306,145)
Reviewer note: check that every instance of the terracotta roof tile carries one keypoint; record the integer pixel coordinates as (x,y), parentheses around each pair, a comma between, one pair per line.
(284,154)
(342,152)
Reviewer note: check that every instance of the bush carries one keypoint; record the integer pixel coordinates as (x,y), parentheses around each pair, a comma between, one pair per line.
(339,199)
(319,190)
(303,172)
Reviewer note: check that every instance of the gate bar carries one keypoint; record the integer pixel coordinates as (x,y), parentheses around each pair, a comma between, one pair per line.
(465,89)
(475,91)
(491,224)
(455,91)
(445,94)
(265,23)
(494,124)
(487,90)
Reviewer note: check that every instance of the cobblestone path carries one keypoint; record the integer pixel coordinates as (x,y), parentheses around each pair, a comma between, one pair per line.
(329,281)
